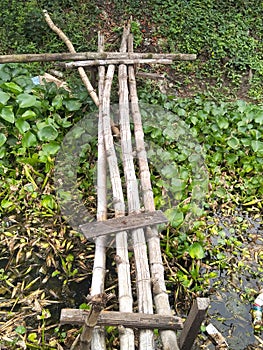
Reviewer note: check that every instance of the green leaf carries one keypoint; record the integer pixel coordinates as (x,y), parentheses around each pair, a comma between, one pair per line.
(51,148)
(57,102)
(196,251)
(20,330)
(175,217)
(6,203)
(257,146)
(8,114)
(29,114)
(22,125)
(4,97)
(2,139)
(72,105)
(259,118)
(26,100)
(47,133)
(222,123)
(2,152)
(32,337)
(233,142)
(29,140)
(48,201)
(16,89)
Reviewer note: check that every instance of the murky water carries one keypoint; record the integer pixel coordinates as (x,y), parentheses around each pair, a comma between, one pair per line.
(230,308)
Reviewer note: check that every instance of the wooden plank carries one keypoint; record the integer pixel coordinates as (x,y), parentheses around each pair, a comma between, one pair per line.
(124,223)
(47,57)
(125,319)
(193,322)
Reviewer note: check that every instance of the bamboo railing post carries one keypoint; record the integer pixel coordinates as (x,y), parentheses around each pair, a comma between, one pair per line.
(161,300)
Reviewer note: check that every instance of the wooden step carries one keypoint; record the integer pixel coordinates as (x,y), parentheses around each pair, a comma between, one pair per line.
(124,223)
(125,319)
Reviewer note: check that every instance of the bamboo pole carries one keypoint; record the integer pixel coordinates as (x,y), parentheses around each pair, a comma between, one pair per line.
(144,294)
(81,70)
(92,63)
(71,48)
(161,300)
(84,56)
(99,267)
(122,258)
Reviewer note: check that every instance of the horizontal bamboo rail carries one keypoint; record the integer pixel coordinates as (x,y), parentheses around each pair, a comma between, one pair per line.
(83,56)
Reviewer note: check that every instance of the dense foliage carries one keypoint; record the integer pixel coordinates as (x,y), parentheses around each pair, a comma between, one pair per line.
(226,36)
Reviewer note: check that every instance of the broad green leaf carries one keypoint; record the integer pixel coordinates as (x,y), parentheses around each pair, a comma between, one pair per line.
(72,105)
(26,100)
(28,114)
(242,105)
(196,251)
(6,203)
(51,148)
(2,139)
(16,89)
(175,217)
(257,146)
(233,142)
(246,142)
(57,102)
(222,123)
(259,118)
(47,133)
(29,140)
(231,158)
(4,76)
(22,125)
(4,97)
(8,114)
(48,201)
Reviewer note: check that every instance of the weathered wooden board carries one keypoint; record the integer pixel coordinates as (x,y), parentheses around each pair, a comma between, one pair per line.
(126,319)
(193,323)
(124,223)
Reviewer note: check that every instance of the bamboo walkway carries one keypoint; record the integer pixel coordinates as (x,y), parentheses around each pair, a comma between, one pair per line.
(136,319)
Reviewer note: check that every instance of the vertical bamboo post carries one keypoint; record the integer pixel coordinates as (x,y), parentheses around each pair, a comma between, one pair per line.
(99,267)
(161,300)
(144,294)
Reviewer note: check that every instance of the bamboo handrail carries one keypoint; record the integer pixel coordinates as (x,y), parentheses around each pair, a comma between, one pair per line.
(84,56)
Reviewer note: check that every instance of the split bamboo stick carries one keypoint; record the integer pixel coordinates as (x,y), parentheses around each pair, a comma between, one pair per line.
(144,295)
(122,258)
(99,267)
(161,300)
(71,48)
(84,56)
